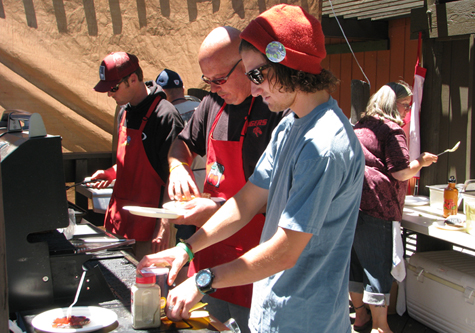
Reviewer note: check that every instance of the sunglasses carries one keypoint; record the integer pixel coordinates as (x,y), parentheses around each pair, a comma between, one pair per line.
(221,80)
(114,89)
(256,75)
(406,106)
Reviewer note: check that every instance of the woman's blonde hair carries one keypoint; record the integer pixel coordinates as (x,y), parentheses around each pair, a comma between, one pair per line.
(384,102)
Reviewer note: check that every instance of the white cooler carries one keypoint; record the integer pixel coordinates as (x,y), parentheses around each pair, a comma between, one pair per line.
(440,290)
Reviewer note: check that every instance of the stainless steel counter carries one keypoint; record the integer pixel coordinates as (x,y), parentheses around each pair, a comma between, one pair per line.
(100,197)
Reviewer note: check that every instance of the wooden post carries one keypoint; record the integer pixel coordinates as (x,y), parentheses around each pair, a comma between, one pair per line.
(359,99)
(3,267)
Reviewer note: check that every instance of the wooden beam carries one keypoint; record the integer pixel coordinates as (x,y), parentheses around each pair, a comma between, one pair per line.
(4,316)
(353,28)
(444,20)
(365,8)
(379,45)
(359,99)
(380,9)
(471,119)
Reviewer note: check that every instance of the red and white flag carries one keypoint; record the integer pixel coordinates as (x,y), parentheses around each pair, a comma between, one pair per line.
(414,125)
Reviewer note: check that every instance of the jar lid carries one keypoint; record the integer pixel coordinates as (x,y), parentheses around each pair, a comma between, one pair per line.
(145,279)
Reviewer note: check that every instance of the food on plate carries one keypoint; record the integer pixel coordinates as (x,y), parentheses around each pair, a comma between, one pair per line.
(454,221)
(71,322)
(203,195)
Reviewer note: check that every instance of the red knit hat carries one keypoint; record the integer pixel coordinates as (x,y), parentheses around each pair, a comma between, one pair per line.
(288,35)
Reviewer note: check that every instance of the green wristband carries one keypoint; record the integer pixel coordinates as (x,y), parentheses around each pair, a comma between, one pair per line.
(188,251)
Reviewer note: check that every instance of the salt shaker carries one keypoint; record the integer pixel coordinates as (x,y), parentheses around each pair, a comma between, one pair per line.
(145,302)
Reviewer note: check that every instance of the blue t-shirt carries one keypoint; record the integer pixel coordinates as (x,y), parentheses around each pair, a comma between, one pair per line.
(313,168)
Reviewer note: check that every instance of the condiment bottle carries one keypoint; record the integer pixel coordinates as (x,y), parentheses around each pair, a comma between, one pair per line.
(451,198)
(145,302)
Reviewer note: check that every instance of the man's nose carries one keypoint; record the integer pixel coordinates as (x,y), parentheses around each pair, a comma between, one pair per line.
(255,90)
(215,87)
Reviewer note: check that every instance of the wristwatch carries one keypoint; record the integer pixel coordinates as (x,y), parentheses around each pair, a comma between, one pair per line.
(204,280)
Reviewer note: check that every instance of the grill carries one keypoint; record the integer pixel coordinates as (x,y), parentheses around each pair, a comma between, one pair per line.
(43,267)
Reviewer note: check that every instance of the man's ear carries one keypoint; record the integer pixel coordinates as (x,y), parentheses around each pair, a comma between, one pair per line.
(133,78)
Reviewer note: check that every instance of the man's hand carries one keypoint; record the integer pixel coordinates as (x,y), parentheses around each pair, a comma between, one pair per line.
(182,184)
(104,177)
(181,299)
(197,212)
(174,257)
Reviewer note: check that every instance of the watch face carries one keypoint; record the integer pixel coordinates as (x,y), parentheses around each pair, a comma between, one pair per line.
(203,279)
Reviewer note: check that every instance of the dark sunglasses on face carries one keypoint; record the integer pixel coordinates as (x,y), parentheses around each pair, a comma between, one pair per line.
(221,80)
(114,89)
(256,75)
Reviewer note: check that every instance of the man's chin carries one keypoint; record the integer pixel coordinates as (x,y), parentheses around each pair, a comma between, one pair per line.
(232,99)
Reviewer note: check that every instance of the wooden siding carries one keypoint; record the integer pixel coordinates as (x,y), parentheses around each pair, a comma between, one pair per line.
(370,9)
(380,67)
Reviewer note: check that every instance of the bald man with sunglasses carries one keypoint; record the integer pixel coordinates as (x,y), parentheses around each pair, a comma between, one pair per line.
(232,129)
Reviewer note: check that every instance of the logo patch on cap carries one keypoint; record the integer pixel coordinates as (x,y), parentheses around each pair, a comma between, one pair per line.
(102,73)
(177,82)
(275,51)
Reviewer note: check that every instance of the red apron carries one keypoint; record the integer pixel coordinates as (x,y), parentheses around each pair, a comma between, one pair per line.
(137,184)
(224,178)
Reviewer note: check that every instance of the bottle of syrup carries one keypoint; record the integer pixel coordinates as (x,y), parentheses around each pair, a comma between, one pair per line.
(451,198)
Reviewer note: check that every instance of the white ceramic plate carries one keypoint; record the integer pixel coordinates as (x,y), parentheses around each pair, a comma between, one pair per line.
(153,212)
(99,317)
(416,200)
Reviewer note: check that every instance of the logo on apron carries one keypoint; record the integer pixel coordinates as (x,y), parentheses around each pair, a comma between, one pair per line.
(215,174)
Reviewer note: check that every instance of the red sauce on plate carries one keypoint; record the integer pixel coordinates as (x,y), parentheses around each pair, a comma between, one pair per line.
(72,322)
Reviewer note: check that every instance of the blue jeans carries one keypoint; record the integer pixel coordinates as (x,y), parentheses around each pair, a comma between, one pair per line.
(371,259)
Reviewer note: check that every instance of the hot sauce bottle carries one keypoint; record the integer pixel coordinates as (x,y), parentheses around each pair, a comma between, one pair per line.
(451,198)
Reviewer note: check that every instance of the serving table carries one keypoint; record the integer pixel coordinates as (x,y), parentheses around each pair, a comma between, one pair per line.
(428,223)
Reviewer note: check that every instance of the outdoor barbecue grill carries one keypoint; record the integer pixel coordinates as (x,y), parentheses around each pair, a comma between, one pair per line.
(43,267)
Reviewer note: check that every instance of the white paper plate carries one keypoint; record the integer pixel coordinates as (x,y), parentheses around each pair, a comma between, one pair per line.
(153,212)
(416,200)
(99,317)
(441,225)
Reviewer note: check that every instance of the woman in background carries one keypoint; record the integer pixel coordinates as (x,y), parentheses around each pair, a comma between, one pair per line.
(387,169)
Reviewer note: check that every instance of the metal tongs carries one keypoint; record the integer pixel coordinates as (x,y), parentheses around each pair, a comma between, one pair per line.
(86,180)
(450,150)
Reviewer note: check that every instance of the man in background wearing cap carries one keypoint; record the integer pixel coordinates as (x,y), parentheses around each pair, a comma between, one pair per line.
(172,85)
(148,124)
(232,129)
(310,177)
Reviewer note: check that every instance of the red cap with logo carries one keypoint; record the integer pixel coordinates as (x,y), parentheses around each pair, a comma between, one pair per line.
(114,68)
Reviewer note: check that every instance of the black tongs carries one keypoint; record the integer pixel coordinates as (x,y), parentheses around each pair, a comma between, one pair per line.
(86,180)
